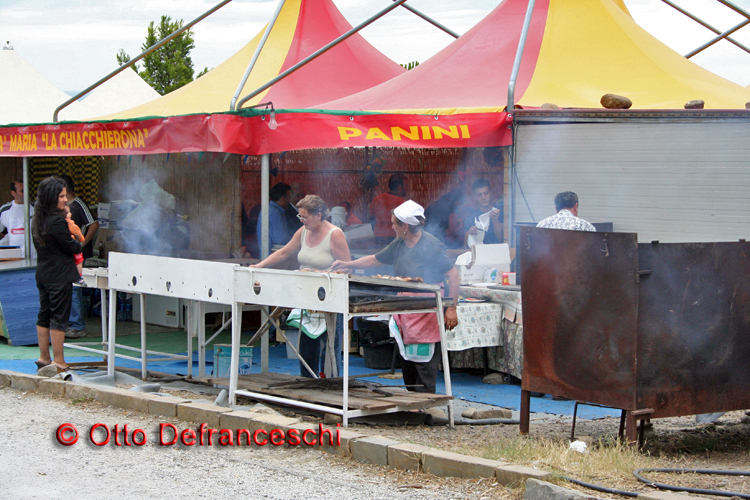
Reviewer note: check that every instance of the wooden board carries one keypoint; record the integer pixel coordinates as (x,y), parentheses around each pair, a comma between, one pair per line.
(359,398)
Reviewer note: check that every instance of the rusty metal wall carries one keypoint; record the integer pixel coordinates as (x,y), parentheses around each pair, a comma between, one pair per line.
(579,313)
(694,328)
(650,326)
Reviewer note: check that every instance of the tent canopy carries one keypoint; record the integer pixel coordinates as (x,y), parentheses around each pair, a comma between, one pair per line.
(301,28)
(576,51)
(28,97)
(123,91)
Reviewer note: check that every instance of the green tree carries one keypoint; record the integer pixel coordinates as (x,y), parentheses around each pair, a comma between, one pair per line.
(169,67)
(124,58)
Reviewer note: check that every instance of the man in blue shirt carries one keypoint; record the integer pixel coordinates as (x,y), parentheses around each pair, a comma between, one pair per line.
(278,230)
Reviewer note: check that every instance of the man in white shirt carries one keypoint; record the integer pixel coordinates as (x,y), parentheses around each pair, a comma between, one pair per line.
(566,204)
(11,219)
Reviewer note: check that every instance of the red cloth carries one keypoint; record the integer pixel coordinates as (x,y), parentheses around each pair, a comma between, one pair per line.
(380,208)
(78,258)
(352,219)
(418,328)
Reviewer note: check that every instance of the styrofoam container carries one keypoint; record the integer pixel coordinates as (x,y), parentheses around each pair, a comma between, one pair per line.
(292,337)
(223,360)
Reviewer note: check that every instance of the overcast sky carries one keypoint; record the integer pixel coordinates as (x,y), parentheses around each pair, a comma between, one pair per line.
(73,43)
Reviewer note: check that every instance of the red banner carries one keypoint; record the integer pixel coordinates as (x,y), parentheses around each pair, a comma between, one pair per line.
(251,135)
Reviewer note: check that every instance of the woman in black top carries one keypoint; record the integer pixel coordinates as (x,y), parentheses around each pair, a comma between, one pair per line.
(55,271)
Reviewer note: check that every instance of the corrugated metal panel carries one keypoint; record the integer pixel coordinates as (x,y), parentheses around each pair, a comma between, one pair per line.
(673,182)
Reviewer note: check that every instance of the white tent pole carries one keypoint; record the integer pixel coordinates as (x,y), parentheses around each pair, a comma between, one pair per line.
(265,167)
(26,222)
(258,49)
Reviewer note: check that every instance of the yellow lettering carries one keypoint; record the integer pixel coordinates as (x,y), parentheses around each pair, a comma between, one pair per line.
(13,143)
(25,142)
(141,142)
(412,134)
(86,140)
(63,141)
(117,140)
(465,132)
(426,132)
(79,141)
(376,133)
(347,132)
(133,138)
(53,143)
(145,131)
(452,132)
(110,139)
(100,137)
(2,143)
(125,139)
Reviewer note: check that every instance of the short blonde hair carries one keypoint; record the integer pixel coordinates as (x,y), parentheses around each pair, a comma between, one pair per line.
(313,204)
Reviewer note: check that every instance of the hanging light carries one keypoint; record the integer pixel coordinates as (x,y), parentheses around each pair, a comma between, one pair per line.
(272,123)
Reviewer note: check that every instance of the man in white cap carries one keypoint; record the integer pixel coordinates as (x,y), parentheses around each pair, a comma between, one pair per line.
(416,253)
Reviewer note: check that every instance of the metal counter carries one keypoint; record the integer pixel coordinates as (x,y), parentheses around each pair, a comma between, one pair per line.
(234,285)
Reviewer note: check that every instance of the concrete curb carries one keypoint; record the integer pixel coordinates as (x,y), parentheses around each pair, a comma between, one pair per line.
(365,449)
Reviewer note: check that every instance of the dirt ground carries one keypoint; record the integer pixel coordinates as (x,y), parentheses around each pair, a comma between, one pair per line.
(677,442)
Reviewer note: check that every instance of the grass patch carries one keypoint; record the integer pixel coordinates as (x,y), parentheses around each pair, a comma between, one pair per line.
(82,401)
(609,459)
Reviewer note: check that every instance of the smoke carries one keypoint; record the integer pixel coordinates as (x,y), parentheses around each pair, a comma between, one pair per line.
(153,227)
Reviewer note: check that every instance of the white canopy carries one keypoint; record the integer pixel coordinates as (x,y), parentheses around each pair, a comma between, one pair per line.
(27,97)
(123,91)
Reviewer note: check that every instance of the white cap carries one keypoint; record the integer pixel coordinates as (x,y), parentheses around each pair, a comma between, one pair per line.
(408,212)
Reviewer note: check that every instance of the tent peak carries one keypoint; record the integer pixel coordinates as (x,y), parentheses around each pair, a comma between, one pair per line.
(7,45)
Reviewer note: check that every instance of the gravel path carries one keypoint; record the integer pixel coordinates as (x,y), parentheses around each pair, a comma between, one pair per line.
(35,465)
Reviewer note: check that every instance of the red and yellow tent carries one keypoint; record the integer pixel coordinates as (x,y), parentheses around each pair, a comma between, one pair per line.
(576,51)
(196,118)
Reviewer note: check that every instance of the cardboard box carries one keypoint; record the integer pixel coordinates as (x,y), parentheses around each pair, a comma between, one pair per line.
(358,231)
(472,264)
(117,211)
(113,241)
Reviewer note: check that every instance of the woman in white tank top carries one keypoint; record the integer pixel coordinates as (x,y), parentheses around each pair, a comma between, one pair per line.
(317,244)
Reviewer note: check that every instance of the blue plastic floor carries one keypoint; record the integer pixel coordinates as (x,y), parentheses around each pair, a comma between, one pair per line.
(465,386)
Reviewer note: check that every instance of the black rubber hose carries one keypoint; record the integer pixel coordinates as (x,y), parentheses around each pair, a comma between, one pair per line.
(662,486)
(638,476)
(596,487)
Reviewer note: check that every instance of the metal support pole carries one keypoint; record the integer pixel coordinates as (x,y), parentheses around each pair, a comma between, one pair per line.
(345,345)
(444,354)
(705,25)
(258,50)
(717,39)
(138,58)
(320,52)
(264,343)
(234,366)
(26,222)
(103,307)
(265,169)
(144,353)
(201,339)
(519,56)
(112,332)
(429,20)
